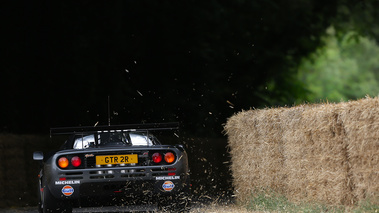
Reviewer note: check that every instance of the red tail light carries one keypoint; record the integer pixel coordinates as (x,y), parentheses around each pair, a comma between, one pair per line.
(63,162)
(169,157)
(76,161)
(157,157)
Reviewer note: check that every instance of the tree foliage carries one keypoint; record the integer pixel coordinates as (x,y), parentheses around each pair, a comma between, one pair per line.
(196,62)
(342,70)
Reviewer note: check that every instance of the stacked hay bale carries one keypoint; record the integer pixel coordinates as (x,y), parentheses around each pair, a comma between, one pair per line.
(294,150)
(326,153)
(316,160)
(361,123)
(258,150)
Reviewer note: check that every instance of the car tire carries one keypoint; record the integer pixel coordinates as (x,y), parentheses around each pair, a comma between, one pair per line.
(50,204)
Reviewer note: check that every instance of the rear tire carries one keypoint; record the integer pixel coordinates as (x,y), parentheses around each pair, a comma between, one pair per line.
(48,203)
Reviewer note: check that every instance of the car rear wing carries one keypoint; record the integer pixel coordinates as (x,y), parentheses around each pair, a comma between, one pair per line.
(123,127)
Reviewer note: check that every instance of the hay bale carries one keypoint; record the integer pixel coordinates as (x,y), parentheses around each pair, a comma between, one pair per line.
(361,123)
(239,143)
(293,151)
(327,152)
(256,151)
(316,161)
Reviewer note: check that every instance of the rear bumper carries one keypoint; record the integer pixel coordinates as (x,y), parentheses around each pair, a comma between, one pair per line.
(132,188)
(115,181)
(112,180)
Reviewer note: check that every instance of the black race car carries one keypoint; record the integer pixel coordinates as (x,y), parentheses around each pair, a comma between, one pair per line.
(112,165)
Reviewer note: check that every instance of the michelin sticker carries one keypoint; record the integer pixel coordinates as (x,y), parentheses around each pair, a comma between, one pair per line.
(67,190)
(66,182)
(168,186)
(167,178)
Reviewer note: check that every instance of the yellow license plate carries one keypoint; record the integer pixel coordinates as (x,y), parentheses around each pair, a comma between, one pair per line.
(116,159)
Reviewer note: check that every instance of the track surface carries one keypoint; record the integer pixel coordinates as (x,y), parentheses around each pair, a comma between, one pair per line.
(211,208)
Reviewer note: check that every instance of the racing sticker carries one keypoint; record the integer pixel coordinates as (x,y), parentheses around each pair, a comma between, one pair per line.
(65,182)
(168,186)
(167,178)
(67,190)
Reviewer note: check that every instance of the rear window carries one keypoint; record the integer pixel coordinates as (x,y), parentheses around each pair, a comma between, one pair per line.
(114,139)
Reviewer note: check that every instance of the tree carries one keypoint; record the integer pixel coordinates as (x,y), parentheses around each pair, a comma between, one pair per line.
(345,68)
(196,61)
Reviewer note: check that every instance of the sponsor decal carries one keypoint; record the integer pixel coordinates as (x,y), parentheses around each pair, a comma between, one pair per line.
(67,190)
(89,155)
(168,186)
(66,182)
(167,178)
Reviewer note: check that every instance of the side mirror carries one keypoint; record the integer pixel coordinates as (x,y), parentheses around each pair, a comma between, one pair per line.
(38,155)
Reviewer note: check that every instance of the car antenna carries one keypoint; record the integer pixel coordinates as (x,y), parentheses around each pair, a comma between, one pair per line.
(109,114)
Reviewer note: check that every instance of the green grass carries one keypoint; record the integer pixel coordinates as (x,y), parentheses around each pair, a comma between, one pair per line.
(273,202)
(367,206)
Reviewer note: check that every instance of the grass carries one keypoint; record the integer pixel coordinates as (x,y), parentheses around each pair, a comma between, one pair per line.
(273,202)
(367,206)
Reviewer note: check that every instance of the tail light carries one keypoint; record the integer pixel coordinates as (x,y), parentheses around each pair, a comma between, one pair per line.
(76,161)
(157,157)
(69,162)
(63,162)
(169,157)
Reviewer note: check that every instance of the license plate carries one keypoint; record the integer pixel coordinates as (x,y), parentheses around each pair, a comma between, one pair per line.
(116,159)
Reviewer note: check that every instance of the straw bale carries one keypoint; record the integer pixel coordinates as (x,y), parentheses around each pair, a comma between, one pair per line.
(240,132)
(257,151)
(361,122)
(324,152)
(316,160)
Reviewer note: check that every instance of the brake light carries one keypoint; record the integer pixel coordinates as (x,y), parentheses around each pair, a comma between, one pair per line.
(169,157)
(63,162)
(157,157)
(76,161)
